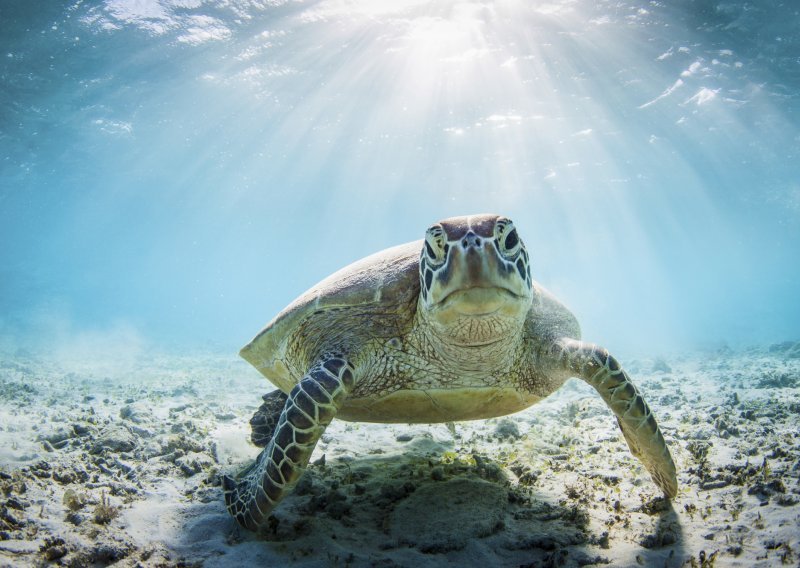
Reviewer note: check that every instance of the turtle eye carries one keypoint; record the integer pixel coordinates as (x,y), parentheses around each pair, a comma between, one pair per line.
(507,238)
(435,245)
(511,240)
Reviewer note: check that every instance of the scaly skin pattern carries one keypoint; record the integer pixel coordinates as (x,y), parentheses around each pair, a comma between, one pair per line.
(467,335)
(400,351)
(265,420)
(309,409)
(597,367)
(421,361)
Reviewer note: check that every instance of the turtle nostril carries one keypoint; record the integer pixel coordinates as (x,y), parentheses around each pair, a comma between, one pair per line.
(471,240)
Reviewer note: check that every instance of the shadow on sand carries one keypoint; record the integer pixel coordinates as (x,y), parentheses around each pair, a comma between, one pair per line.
(410,510)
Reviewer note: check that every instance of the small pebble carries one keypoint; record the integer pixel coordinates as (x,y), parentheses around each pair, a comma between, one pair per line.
(507,429)
(55,552)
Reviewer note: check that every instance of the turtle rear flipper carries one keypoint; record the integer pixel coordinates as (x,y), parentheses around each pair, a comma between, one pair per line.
(308,410)
(597,367)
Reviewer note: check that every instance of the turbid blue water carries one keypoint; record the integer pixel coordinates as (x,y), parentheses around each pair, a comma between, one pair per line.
(174,172)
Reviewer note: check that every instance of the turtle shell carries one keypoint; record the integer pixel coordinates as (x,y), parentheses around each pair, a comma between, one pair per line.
(371,300)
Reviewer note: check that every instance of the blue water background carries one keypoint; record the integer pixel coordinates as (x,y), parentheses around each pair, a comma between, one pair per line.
(174,172)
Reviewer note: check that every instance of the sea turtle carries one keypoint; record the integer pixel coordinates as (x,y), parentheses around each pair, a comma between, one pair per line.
(451,327)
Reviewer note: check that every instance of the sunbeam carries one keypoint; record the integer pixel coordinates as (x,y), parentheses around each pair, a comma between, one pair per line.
(632,143)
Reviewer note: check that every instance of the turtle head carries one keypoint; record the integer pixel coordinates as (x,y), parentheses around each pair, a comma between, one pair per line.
(476,286)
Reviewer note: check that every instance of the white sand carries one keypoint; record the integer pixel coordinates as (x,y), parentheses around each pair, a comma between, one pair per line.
(554,485)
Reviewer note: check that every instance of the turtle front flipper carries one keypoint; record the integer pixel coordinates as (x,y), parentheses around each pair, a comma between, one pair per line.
(597,367)
(308,410)
(265,420)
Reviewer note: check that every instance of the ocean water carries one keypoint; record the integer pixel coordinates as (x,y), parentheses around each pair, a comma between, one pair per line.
(174,172)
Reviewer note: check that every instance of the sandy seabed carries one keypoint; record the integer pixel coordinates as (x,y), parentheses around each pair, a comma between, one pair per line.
(119,464)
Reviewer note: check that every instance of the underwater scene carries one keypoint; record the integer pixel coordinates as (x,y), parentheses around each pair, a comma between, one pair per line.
(573,339)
